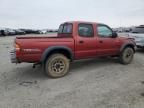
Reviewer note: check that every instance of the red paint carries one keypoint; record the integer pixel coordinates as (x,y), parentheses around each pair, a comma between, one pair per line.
(91,47)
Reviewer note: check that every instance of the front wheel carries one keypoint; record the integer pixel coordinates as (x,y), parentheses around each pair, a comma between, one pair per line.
(57,65)
(126,55)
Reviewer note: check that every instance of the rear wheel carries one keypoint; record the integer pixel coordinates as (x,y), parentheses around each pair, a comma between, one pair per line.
(57,65)
(126,55)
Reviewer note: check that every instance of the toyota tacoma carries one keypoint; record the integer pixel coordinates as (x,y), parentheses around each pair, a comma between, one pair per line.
(75,40)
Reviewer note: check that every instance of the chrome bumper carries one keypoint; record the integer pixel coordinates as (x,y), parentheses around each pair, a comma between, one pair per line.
(13,56)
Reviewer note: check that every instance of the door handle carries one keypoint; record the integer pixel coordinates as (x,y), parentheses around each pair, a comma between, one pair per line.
(81,41)
(100,41)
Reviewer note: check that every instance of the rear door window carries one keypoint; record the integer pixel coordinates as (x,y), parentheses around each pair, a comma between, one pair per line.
(85,30)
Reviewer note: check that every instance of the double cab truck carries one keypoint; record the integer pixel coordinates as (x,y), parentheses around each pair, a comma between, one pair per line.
(75,40)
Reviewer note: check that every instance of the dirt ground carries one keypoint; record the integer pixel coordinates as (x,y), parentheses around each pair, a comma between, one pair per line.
(97,83)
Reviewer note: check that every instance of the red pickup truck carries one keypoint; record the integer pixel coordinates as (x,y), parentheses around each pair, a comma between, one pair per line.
(75,40)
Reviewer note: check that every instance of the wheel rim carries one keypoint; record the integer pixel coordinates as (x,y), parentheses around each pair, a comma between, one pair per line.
(58,66)
(128,55)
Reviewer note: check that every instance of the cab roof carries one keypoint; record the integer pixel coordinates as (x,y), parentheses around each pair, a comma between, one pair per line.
(83,22)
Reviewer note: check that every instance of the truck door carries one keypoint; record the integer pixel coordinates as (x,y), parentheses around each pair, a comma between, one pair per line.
(106,44)
(85,41)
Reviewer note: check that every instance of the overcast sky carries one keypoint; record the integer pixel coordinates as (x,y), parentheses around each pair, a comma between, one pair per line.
(50,13)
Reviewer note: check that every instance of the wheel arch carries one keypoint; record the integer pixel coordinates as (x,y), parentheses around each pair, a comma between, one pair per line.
(66,51)
(127,45)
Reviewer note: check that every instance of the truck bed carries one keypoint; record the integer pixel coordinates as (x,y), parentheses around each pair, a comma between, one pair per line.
(33,47)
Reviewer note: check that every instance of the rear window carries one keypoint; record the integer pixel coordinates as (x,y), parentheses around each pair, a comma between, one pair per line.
(65,29)
(138,30)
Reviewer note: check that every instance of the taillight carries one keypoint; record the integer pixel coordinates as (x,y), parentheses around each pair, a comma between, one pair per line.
(17,47)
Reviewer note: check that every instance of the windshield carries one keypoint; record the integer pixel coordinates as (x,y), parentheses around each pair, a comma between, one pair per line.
(138,30)
(65,28)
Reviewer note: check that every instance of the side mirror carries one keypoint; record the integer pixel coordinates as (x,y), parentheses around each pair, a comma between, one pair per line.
(114,35)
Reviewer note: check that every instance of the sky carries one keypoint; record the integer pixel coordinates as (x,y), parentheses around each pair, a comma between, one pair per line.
(40,14)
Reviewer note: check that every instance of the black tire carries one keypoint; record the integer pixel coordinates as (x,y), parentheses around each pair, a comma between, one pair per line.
(57,65)
(126,55)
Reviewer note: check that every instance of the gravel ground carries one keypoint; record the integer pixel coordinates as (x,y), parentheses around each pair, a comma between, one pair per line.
(97,83)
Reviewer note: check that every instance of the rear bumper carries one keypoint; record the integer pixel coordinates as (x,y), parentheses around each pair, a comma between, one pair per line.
(13,57)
